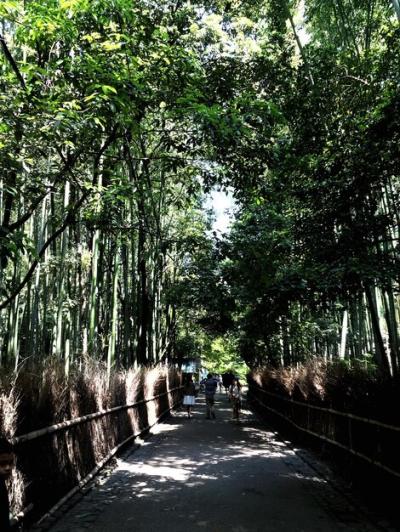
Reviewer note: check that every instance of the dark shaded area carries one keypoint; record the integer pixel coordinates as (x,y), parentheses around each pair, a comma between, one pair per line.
(355,389)
(371,485)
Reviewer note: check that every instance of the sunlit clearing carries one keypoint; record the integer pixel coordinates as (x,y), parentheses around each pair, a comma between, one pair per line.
(156,471)
(249,453)
(163,427)
(304,477)
(264,435)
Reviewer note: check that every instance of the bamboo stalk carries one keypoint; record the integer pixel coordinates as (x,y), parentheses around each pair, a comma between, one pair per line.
(114,318)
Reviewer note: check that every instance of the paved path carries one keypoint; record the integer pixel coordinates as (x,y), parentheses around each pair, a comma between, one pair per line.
(213,476)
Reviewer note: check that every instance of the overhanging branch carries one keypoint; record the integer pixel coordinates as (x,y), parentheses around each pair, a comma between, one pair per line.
(12,62)
(68,220)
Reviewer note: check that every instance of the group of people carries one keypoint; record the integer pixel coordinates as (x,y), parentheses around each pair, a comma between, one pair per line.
(210,386)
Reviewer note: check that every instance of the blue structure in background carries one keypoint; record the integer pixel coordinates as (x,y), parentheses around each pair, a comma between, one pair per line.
(193,367)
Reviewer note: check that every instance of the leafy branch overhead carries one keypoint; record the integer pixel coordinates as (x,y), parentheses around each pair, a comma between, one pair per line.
(119,118)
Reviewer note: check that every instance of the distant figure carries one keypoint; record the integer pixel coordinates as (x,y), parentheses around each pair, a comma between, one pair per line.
(202,382)
(189,395)
(219,381)
(210,387)
(235,394)
(7,460)
(227,380)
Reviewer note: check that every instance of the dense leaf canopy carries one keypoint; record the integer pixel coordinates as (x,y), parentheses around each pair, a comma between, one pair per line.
(118,119)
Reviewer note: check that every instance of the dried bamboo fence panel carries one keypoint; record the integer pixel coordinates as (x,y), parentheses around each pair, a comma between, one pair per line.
(375,442)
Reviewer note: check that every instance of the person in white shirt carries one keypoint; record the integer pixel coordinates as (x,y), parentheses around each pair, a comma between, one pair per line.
(189,395)
(235,395)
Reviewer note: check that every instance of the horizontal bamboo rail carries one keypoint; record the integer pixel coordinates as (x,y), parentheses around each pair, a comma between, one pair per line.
(73,422)
(101,464)
(77,421)
(376,463)
(331,410)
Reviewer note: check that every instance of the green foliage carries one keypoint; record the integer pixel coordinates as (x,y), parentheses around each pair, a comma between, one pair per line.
(315,168)
(222,355)
(116,118)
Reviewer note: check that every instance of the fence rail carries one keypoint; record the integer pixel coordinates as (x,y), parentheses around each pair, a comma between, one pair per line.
(328,429)
(101,464)
(330,410)
(63,425)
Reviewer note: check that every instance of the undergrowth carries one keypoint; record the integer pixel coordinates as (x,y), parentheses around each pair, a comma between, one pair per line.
(47,467)
(351,387)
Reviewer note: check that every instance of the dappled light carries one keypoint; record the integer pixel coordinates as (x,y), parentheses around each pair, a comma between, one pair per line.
(309,479)
(204,473)
(174,473)
(192,187)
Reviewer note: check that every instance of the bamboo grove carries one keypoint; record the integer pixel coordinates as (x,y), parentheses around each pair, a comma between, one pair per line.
(320,232)
(97,194)
(117,117)
(311,264)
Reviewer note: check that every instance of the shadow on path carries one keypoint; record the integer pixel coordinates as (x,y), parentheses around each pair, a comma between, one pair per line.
(212,475)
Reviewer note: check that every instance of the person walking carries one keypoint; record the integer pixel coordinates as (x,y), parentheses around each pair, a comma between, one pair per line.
(210,387)
(189,395)
(227,380)
(235,394)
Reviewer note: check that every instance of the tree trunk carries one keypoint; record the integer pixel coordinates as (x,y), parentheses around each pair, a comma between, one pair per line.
(379,351)
(343,342)
(143,297)
(114,318)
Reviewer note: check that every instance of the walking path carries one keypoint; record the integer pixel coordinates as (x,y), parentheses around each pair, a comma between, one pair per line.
(215,476)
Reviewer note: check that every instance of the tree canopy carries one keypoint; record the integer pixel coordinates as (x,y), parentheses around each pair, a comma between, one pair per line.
(118,119)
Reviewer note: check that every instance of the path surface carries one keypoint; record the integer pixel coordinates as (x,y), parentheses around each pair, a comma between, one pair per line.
(215,476)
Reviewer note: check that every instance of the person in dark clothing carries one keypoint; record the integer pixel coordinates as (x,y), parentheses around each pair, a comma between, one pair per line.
(210,387)
(227,380)
(7,460)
